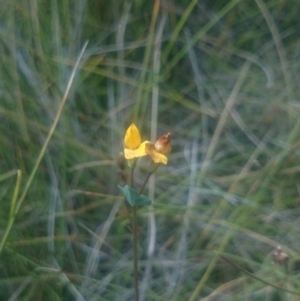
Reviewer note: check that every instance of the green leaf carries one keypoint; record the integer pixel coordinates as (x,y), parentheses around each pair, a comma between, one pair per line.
(133,198)
(130,194)
(143,201)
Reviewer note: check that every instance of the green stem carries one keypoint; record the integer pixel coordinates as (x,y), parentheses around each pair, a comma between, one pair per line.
(134,245)
(145,182)
(131,177)
(135,255)
(134,232)
(13,212)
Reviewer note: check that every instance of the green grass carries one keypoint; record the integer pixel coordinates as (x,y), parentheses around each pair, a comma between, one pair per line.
(221,77)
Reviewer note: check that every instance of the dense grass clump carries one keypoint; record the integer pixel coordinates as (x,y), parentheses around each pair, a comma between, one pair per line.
(222,77)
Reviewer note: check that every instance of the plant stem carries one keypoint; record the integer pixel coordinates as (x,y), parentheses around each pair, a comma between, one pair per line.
(134,245)
(135,255)
(145,182)
(134,233)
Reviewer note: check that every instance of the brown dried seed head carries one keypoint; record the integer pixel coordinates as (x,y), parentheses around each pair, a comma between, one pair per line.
(279,256)
(163,144)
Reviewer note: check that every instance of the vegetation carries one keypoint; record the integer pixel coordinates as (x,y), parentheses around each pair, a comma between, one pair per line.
(220,76)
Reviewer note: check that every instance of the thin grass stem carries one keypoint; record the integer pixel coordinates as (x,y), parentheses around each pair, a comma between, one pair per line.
(17,204)
(12,210)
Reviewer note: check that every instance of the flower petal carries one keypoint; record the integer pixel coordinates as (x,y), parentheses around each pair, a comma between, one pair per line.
(155,155)
(132,138)
(136,153)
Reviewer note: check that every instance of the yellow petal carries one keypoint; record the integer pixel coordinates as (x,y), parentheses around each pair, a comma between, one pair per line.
(136,153)
(132,138)
(159,158)
(155,155)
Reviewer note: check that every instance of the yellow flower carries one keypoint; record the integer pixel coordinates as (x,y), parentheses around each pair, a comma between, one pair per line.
(133,145)
(160,149)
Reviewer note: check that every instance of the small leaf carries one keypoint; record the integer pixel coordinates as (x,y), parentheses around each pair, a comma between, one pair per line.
(143,201)
(133,198)
(130,194)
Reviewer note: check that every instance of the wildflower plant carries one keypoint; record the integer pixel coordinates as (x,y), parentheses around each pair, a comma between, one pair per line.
(134,148)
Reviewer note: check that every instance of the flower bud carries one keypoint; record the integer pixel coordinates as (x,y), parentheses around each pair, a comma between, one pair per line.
(163,144)
(121,161)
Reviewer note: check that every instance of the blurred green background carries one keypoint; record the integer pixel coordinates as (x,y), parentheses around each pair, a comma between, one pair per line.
(222,77)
